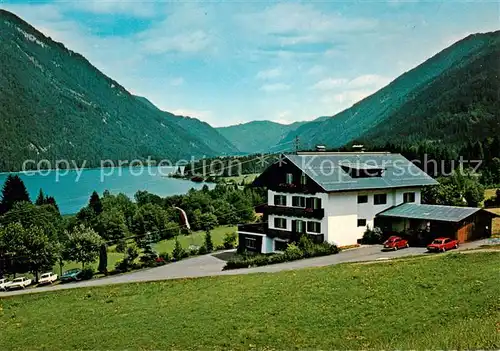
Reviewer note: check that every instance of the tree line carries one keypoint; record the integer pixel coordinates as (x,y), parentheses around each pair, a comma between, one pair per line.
(34,236)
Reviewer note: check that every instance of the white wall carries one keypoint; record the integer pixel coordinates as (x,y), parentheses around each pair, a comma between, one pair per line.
(343,212)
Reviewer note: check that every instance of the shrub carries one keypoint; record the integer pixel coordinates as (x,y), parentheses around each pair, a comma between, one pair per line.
(371,237)
(178,253)
(230,240)
(293,252)
(121,246)
(164,256)
(87,273)
(122,265)
(209,245)
(202,250)
(148,259)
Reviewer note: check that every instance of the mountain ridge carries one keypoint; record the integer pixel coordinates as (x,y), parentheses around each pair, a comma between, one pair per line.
(370,112)
(57,105)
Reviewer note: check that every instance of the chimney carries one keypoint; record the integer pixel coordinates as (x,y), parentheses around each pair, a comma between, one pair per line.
(320,148)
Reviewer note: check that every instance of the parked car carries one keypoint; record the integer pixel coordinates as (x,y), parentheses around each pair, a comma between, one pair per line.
(18,283)
(442,244)
(395,242)
(47,278)
(3,284)
(72,275)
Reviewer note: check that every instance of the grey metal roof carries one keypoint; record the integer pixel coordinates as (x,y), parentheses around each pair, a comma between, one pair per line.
(430,212)
(326,170)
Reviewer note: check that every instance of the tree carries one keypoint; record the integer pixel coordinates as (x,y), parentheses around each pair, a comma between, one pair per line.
(208,221)
(103,259)
(40,200)
(45,217)
(27,249)
(82,245)
(209,245)
(13,191)
(95,203)
(111,225)
(178,253)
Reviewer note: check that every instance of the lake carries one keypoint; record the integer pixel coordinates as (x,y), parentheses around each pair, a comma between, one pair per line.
(72,189)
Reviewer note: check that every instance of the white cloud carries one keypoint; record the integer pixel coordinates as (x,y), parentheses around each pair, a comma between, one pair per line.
(142,9)
(192,42)
(329,84)
(269,73)
(372,81)
(369,80)
(176,81)
(275,87)
(295,23)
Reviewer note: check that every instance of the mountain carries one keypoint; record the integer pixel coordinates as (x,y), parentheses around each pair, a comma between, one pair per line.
(429,92)
(459,107)
(56,105)
(202,130)
(260,136)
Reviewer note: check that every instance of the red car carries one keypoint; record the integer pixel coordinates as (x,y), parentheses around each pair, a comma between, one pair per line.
(443,244)
(395,242)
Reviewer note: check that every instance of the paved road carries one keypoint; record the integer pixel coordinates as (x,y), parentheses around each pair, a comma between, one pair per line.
(210,266)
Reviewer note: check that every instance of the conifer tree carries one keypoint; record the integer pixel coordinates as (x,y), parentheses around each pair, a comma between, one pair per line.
(13,191)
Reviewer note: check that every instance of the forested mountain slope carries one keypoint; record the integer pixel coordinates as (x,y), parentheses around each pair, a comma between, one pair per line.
(460,107)
(202,130)
(56,105)
(259,136)
(371,113)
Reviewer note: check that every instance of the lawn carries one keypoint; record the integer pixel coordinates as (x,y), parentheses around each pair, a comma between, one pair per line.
(448,301)
(489,193)
(196,238)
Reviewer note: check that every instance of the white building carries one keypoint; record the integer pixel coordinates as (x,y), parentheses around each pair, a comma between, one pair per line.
(331,197)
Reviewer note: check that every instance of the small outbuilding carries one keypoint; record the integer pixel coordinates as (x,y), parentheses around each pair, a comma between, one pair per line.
(431,221)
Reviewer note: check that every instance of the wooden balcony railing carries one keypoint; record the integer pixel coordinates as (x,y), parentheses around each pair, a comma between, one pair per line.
(296,212)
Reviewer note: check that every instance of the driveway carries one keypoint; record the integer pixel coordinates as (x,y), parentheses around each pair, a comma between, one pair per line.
(209,265)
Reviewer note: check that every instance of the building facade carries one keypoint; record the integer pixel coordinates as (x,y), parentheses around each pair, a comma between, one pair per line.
(330,197)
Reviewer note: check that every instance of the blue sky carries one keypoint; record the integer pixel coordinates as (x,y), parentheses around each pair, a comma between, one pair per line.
(232,62)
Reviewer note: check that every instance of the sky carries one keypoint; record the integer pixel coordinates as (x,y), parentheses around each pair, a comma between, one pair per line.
(230,62)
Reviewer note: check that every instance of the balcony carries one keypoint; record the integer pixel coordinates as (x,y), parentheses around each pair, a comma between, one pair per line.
(296,212)
(262,228)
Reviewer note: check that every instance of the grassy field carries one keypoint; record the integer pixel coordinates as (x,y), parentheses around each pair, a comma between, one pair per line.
(196,238)
(488,193)
(448,301)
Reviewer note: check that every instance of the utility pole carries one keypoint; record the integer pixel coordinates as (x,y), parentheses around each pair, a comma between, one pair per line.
(297,144)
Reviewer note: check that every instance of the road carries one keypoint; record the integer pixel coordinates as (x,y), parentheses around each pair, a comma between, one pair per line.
(209,265)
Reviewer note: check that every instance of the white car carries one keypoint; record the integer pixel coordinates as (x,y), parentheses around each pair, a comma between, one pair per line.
(3,284)
(47,278)
(18,283)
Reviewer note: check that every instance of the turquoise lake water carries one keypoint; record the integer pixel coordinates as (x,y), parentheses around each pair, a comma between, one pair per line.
(72,192)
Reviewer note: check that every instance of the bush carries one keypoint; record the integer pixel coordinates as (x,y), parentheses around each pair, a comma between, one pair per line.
(121,246)
(230,240)
(178,253)
(293,252)
(372,237)
(164,256)
(202,250)
(122,265)
(209,246)
(87,273)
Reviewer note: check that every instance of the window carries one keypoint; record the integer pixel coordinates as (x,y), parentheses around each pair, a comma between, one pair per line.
(279,200)
(289,178)
(361,222)
(409,197)
(362,199)
(380,199)
(313,202)
(299,226)
(250,243)
(314,227)
(303,179)
(280,223)
(298,201)
(280,245)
